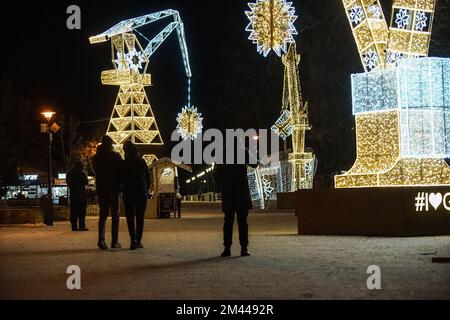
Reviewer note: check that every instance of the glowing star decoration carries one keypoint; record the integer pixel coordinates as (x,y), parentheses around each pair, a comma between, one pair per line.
(189,123)
(135,59)
(271,25)
(132,117)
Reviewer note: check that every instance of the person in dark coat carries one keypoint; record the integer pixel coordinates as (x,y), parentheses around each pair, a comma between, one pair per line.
(179,198)
(77,182)
(106,166)
(232,180)
(136,183)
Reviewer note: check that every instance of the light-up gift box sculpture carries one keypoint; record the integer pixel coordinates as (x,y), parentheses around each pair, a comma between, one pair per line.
(402,125)
(401,103)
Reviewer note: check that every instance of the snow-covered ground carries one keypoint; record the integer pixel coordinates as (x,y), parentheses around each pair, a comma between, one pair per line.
(180,261)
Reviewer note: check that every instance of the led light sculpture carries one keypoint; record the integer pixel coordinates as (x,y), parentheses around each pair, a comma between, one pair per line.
(294,122)
(132,117)
(297,171)
(272,28)
(370,31)
(271,25)
(410,30)
(189,123)
(266,180)
(402,116)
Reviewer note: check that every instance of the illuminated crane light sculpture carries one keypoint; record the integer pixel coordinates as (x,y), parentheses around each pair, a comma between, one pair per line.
(294,122)
(402,110)
(297,171)
(132,117)
(272,28)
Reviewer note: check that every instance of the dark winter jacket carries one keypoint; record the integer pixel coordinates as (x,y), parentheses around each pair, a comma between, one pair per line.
(106,165)
(233,183)
(135,177)
(77,181)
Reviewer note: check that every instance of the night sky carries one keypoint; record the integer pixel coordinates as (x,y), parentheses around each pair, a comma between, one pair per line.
(44,63)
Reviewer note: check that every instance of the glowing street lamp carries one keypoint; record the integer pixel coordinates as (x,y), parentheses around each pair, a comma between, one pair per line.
(48,115)
(45,128)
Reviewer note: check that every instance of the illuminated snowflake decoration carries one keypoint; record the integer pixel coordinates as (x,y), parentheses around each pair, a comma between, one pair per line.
(189,123)
(267,188)
(271,25)
(375,11)
(401,19)
(393,57)
(421,20)
(135,59)
(370,59)
(356,15)
(121,61)
(309,168)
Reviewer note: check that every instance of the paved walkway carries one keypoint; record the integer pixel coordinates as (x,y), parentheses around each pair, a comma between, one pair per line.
(180,262)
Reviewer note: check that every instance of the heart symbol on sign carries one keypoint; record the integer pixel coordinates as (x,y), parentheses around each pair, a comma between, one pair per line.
(435,200)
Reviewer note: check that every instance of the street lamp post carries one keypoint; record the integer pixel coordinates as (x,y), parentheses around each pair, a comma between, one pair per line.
(48,216)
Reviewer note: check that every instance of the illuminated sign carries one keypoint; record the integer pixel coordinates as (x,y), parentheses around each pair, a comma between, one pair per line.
(30,177)
(430,201)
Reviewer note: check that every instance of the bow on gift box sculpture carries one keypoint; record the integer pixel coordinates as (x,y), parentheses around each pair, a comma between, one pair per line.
(402,101)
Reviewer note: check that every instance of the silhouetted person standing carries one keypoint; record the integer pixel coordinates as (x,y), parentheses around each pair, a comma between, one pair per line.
(136,183)
(106,167)
(77,182)
(236,201)
(179,198)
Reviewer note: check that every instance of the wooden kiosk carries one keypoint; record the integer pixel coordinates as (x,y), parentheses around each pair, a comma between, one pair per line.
(164,188)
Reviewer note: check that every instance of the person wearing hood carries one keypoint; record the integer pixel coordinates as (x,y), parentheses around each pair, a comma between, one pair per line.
(135,177)
(106,166)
